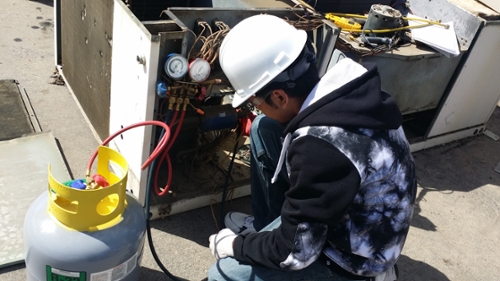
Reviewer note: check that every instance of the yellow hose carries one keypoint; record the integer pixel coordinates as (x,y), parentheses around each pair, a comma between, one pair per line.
(430,22)
(387,30)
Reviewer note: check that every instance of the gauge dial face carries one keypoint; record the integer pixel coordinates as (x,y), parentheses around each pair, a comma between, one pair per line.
(199,70)
(176,66)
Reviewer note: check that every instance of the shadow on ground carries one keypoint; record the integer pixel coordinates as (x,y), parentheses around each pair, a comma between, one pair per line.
(151,274)
(437,169)
(197,225)
(12,268)
(413,270)
(44,2)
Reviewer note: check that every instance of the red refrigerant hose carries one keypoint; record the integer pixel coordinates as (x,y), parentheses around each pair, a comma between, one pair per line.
(156,152)
(161,150)
(165,156)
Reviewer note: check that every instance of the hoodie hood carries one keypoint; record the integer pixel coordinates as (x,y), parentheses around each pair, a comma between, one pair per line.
(349,95)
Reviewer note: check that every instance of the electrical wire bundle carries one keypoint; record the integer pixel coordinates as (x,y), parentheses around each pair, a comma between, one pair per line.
(307,22)
(209,50)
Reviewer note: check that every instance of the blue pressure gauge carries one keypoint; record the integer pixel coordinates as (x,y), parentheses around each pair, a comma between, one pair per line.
(176,66)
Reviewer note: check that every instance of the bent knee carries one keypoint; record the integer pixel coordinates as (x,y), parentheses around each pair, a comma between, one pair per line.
(213,272)
(228,269)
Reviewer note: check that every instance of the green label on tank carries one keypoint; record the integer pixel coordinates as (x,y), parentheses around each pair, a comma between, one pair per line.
(54,274)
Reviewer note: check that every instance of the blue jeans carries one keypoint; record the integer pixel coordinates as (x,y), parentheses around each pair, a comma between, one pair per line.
(265,145)
(231,269)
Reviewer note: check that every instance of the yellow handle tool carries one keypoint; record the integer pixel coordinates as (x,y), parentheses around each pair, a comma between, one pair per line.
(343,22)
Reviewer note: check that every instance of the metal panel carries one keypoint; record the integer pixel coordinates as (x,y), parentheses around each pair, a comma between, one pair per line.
(415,76)
(345,6)
(484,9)
(85,50)
(14,112)
(446,138)
(494,4)
(134,68)
(243,4)
(326,46)
(23,178)
(475,93)
(466,25)
(186,17)
(151,10)
(159,209)
(171,37)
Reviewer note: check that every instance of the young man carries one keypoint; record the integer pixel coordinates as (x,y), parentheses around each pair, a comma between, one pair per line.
(350,184)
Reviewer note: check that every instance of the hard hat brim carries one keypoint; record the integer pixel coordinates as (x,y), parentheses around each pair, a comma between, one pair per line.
(237,100)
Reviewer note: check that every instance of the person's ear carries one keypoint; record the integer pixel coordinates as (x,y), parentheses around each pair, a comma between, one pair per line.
(281,98)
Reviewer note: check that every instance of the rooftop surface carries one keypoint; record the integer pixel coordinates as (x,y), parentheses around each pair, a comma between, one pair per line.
(454,234)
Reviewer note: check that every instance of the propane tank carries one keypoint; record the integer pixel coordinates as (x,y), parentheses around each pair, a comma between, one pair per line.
(84,235)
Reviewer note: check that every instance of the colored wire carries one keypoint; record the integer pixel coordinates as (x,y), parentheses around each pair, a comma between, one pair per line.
(308,22)
(209,50)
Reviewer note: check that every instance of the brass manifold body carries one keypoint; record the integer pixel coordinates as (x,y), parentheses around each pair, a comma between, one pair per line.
(180,94)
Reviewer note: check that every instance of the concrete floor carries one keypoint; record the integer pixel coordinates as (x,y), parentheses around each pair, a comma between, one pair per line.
(454,234)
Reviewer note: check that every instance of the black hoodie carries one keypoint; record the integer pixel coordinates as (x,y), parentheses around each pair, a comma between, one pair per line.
(347,155)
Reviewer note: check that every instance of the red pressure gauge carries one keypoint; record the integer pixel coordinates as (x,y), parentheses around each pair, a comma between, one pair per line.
(199,70)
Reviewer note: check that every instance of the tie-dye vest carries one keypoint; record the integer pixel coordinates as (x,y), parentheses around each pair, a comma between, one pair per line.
(370,236)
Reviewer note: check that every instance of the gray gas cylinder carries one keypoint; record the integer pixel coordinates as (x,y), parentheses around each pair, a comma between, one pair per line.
(57,246)
(54,252)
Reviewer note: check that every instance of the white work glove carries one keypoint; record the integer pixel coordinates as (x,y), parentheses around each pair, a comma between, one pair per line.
(221,244)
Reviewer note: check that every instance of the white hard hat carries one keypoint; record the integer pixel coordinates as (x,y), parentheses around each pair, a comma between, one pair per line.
(256,50)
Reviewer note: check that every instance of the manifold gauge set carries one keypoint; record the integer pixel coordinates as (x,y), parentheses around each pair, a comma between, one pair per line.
(177,66)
